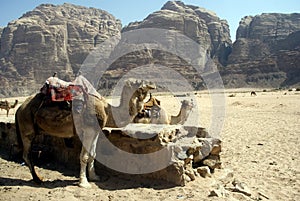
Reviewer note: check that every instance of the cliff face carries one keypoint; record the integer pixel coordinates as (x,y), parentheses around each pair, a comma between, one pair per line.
(201,25)
(50,38)
(58,38)
(266,52)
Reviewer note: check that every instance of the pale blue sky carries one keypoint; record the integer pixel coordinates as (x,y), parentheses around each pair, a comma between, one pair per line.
(136,10)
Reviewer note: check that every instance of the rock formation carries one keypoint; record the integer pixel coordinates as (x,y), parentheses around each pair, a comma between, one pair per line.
(266,52)
(58,38)
(200,25)
(50,38)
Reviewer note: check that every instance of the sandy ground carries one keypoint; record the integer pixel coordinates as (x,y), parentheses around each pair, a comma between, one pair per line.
(261,137)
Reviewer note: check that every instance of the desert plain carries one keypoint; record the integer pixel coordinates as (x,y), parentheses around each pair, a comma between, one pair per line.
(260,149)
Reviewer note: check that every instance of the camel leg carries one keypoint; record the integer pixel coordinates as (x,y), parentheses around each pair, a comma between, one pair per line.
(27,156)
(91,170)
(84,156)
(91,159)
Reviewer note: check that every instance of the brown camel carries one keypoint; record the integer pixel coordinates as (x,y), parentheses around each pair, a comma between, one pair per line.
(151,102)
(7,106)
(34,117)
(132,100)
(253,93)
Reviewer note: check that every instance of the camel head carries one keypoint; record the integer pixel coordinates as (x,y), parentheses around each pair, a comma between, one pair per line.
(187,105)
(144,89)
(136,102)
(15,104)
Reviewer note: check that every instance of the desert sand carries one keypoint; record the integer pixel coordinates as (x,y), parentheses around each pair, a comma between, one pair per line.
(260,148)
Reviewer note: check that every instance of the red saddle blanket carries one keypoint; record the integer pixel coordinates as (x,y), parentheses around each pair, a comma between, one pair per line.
(60,90)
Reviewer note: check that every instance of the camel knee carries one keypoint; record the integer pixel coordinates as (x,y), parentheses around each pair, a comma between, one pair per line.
(84,159)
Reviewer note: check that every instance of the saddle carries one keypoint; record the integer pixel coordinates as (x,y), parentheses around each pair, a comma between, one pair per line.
(61,93)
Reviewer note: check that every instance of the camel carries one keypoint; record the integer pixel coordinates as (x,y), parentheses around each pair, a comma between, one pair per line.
(7,106)
(158,115)
(151,102)
(34,117)
(253,93)
(130,105)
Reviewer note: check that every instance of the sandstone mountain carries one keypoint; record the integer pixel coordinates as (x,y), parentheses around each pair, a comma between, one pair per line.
(202,26)
(266,52)
(50,38)
(59,37)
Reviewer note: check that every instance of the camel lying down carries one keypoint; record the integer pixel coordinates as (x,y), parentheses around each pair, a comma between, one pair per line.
(154,113)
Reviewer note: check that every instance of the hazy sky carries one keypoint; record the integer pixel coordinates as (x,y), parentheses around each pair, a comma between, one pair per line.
(136,10)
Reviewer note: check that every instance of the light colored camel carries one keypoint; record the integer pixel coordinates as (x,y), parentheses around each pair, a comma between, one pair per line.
(156,114)
(186,108)
(7,106)
(33,117)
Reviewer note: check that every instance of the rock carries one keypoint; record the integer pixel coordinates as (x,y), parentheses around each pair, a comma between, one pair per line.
(200,25)
(212,161)
(216,149)
(241,187)
(264,53)
(263,195)
(225,176)
(50,38)
(58,38)
(181,150)
(219,191)
(204,171)
(268,26)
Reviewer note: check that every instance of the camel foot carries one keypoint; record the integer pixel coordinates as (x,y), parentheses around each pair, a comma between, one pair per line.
(84,183)
(94,177)
(38,180)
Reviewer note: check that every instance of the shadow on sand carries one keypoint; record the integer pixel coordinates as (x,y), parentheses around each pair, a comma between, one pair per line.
(109,180)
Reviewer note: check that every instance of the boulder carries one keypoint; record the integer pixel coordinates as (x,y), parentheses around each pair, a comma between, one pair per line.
(177,145)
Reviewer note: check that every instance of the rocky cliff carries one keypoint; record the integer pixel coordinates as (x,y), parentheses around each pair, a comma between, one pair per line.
(202,26)
(50,38)
(266,52)
(58,38)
